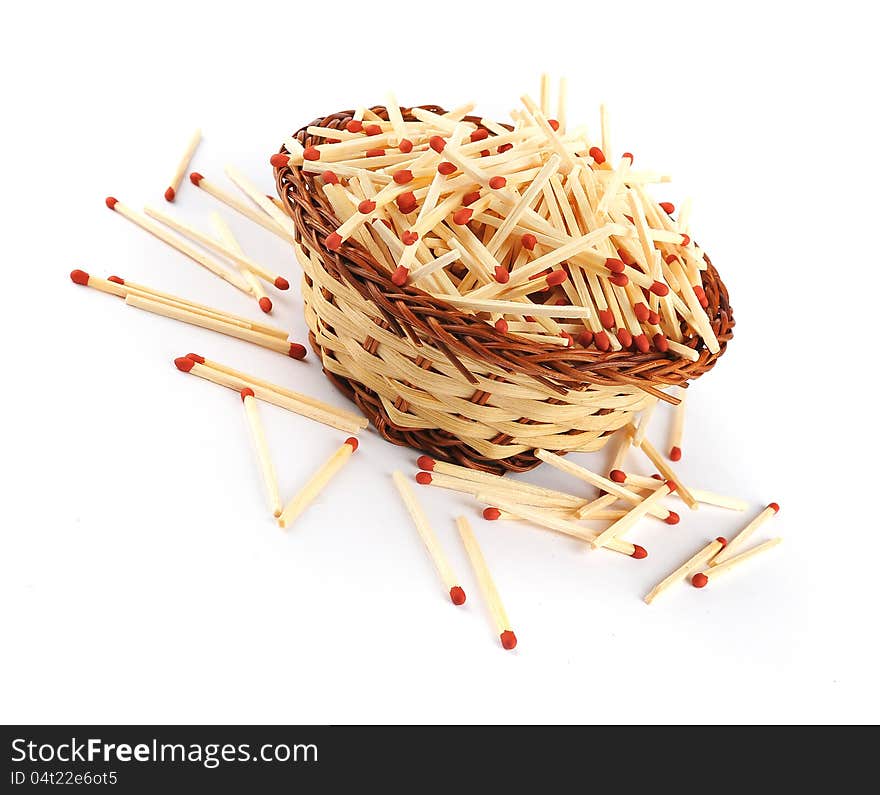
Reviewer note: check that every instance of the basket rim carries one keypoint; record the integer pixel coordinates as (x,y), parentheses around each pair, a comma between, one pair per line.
(420,314)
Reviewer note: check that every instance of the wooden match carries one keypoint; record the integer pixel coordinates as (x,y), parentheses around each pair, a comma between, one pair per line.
(426,532)
(693,563)
(486,583)
(746,533)
(261,446)
(701,579)
(183,165)
(317,483)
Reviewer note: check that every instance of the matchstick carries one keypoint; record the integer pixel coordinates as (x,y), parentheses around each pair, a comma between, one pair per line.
(701,579)
(677,428)
(350,421)
(183,165)
(184,248)
(450,581)
(693,563)
(743,535)
(658,461)
(644,421)
(317,482)
(561,525)
(622,447)
(632,516)
(267,468)
(487,584)
(516,495)
(259,198)
(225,236)
(217,247)
(234,203)
(700,495)
(119,287)
(292,401)
(565,465)
(292,349)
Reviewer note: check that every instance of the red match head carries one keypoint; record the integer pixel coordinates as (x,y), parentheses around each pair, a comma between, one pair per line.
(184,364)
(614,265)
(282,284)
(111,202)
(246,393)
(279,160)
(437,143)
(409,238)
(352,443)
(619,280)
(311,153)
(366,206)
(529,241)
(196,357)
(400,276)
(685,240)
(606,318)
(508,639)
(462,216)
(116,279)
(660,342)
(333,241)
(671,485)
(426,462)
(639,552)
(597,154)
(496,183)
(405,145)
(446,168)
(169,194)
(424,478)
(491,514)
(504,148)
(480,134)
(372,129)
(354,126)
(470,198)
(585,338)
(617,475)
(501,325)
(658,288)
(642,343)
(329,178)
(629,156)
(673,518)
(402,176)
(602,341)
(296,351)
(79,277)
(668,207)
(642,311)
(456,593)
(699,580)
(557,278)
(774,506)
(722,540)
(266,304)
(501,274)
(675,454)
(624,337)
(195,178)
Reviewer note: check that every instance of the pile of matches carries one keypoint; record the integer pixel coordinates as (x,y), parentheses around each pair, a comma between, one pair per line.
(529,228)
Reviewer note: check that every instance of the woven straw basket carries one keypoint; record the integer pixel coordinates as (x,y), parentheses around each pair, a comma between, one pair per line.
(449,384)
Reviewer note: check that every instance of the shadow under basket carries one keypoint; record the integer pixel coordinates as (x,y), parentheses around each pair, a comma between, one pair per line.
(449,384)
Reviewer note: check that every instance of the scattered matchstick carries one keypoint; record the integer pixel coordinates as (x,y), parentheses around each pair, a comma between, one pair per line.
(743,535)
(183,165)
(693,563)
(658,461)
(677,428)
(450,581)
(295,402)
(317,483)
(267,468)
(700,495)
(701,579)
(632,516)
(487,584)
(561,525)
(217,268)
(225,236)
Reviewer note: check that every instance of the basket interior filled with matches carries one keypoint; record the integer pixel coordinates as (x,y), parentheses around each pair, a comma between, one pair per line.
(482,289)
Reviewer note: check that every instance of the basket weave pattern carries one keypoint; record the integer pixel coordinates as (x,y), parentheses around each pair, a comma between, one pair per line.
(449,384)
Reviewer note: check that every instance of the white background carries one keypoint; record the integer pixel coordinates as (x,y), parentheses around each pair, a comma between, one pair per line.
(142,578)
